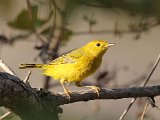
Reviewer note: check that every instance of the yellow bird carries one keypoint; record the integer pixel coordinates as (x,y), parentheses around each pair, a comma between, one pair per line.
(76,65)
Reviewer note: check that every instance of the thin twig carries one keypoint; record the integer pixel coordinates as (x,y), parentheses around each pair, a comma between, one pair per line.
(152,102)
(41,38)
(53,27)
(147,110)
(26,80)
(144,111)
(153,69)
(5,115)
(57,7)
(134,99)
(127,109)
(6,68)
(29,6)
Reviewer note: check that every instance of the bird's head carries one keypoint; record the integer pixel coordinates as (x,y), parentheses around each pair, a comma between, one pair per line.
(98,47)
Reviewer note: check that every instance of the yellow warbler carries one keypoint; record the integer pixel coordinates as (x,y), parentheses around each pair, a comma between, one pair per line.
(75,65)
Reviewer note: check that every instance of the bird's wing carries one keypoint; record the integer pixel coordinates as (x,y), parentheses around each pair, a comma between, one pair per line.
(69,58)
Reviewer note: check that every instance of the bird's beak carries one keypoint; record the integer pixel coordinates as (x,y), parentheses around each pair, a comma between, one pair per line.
(110,44)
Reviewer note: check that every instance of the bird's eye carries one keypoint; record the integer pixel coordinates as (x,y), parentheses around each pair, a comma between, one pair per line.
(98,44)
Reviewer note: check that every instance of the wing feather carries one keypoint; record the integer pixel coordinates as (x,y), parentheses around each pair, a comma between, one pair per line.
(69,58)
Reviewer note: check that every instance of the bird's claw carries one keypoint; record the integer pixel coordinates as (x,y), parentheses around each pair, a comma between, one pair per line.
(97,89)
(68,92)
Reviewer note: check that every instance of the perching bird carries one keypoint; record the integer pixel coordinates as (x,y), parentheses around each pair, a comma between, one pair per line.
(76,65)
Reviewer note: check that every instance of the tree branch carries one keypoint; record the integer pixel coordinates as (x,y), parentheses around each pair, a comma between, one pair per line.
(14,92)
(132,92)
(28,103)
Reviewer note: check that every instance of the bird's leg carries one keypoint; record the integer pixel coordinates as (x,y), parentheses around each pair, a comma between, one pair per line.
(97,89)
(66,91)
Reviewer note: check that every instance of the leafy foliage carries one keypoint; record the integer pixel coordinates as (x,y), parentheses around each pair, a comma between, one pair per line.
(23,22)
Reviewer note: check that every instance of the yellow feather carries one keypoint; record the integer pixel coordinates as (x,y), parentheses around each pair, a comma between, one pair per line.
(77,64)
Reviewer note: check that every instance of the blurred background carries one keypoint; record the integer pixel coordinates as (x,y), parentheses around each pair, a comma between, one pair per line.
(38,31)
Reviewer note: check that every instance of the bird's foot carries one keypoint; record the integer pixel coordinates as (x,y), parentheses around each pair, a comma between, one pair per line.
(96,89)
(68,92)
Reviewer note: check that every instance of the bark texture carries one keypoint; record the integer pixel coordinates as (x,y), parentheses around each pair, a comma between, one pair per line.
(32,104)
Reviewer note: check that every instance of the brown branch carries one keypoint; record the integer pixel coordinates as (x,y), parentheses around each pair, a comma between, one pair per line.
(17,91)
(121,93)
(9,41)
(28,103)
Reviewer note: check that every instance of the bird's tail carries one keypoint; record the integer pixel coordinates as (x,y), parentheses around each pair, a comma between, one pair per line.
(24,66)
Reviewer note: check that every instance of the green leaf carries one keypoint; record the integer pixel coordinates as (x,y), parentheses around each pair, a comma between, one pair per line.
(23,22)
